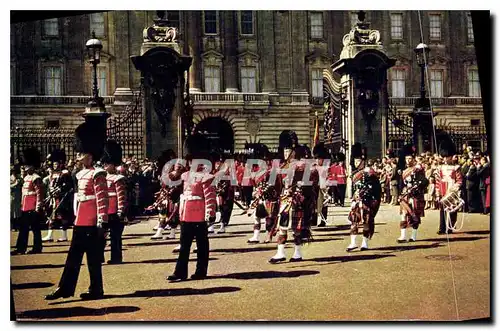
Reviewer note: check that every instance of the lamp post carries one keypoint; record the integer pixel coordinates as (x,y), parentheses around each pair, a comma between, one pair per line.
(95,112)
(421,111)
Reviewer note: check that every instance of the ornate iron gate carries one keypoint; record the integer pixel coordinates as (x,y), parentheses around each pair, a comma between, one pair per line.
(401,132)
(335,107)
(127,128)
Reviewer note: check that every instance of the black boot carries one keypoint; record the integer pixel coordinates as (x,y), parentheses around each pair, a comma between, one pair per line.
(91,295)
(58,293)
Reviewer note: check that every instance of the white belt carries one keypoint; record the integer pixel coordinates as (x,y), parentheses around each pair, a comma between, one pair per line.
(112,194)
(82,198)
(29,192)
(190,197)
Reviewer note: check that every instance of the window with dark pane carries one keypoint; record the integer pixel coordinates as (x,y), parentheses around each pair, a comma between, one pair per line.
(316,25)
(53,80)
(474,86)
(435,26)
(51,27)
(247,22)
(97,24)
(210,22)
(397,26)
(470,29)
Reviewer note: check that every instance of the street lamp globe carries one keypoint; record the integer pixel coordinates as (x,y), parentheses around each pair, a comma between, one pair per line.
(422,53)
(94,47)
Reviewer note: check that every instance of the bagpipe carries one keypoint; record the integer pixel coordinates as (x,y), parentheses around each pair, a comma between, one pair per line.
(49,203)
(290,197)
(265,191)
(162,195)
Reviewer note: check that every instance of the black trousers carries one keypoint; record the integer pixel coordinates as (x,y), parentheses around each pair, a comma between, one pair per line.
(116,227)
(189,230)
(247,194)
(226,211)
(30,220)
(483,200)
(341,188)
(443,219)
(85,240)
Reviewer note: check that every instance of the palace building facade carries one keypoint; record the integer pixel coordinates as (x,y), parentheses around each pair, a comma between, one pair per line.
(254,74)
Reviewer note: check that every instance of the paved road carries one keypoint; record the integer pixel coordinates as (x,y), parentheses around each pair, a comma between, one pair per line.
(391,281)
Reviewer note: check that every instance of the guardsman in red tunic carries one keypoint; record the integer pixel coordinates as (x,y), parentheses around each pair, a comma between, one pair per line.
(341,178)
(31,205)
(197,206)
(91,214)
(412,201)
(321,154)
(117,194)
(60,196)
(448,180)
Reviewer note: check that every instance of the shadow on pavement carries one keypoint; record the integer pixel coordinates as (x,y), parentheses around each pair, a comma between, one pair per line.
(243,250)
(405,247)
(478,232)
(332,228)
(75,311)
(265,274)
(173,292)
(219,236)
(25,286)
(154,243)
(36,266)
(454,239)
(349,258)
(173,260)
(241,232)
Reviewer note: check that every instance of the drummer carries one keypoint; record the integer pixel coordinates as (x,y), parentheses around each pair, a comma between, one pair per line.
(448,181)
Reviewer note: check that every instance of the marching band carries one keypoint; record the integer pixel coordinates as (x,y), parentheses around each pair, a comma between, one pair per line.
(196,199)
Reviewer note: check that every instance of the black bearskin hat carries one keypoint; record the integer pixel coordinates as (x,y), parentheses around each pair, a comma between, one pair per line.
(288,139)
(408,150)
(320,151)
(31,157)
(112,153)
(340,157)
(88,142)
(300,152)
(447,148)
(57,155)
(196,146)
(356,151)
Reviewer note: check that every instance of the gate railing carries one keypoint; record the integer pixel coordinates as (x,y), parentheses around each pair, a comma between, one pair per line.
(125,127)
(401,131)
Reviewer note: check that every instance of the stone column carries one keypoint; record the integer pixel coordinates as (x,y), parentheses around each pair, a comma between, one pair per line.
(265,31)
(299,45)
(230,51)
(122,61)
(193,38)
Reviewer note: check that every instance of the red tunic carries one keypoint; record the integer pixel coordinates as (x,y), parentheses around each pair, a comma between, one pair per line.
(92,197)
(198,199)
(32,193)
(449,179)
(117,194)
(341,174)
(332,174)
